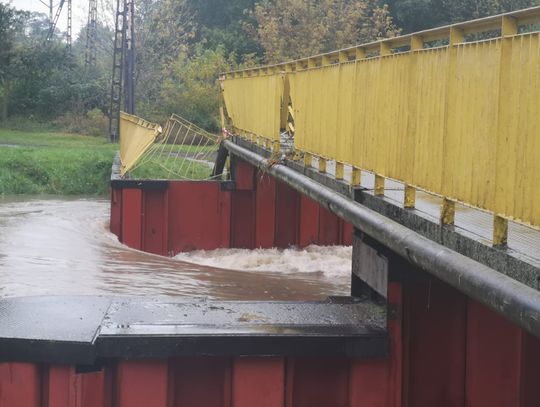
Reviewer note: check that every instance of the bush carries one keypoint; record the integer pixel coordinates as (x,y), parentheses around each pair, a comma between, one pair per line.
(94,123)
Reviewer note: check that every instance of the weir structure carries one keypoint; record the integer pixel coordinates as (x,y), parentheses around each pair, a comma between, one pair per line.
(444,307)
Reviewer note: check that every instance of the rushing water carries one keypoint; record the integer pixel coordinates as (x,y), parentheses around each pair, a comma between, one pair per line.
(63,246)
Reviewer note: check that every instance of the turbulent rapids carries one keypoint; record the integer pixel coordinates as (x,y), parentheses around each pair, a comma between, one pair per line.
(60,246)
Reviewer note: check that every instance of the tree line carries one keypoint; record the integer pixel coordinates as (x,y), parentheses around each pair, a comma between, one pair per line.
(182,46)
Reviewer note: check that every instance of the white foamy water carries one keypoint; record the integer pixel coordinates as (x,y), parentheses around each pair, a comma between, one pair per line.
(331,261)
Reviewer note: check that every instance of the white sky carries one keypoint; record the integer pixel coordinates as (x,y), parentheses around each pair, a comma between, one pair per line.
(80,11)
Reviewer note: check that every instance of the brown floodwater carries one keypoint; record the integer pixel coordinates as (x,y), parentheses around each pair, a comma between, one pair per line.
(63,246)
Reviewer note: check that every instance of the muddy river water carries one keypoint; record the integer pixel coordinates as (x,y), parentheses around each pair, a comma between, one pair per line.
(56,246)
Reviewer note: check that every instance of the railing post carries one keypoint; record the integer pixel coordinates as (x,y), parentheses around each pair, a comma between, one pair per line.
(322,164)
(456,36)
(448,211)
(384,50)
(500,231)
(340,172)
(308,159)
(417,43)
(356,175)
(509,28)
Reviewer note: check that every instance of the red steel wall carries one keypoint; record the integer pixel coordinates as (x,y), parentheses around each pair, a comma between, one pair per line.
(445,350)
(199,382)
(259,213)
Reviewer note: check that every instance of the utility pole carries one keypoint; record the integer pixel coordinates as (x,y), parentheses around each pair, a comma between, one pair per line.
(69,25)
(91,34)
(54,21)
(129,66)
(50,14)
(123,66)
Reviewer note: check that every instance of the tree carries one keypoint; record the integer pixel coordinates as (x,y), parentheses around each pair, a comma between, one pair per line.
(416,15)
(10,23)
(290,29)
(192,90)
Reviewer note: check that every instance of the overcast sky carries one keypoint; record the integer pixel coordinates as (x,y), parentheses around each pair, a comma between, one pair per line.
(80,11)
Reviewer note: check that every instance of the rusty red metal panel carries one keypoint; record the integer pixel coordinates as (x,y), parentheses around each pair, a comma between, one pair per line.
(243,219)
(329,231)
(308,228)
(200,381)
(435,316)
(530,390)
(287,215)
(155,237)
(370,384)
(317,382)
(60,387)
(95,389)
(196,213)
(265,211)
(244,175)
(395,331)
(142,383)
(225,214)
(347,230)
(132,217)
(116,212)
(493,359)
(20,385)
(258,382)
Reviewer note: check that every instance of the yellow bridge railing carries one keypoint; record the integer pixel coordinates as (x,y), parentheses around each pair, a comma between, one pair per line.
(454,111)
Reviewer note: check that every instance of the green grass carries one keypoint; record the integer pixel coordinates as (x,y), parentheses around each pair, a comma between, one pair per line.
(40,162)
(157,168)
(169,162)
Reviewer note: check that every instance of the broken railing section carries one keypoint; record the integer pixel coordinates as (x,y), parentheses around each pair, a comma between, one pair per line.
(408,108)
(180,151)
(136,137)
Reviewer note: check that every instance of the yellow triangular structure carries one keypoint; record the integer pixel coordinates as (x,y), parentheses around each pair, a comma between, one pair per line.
(136,136)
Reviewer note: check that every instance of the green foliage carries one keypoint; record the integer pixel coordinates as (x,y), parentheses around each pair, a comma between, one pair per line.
(293,29)
(192,90)
(416,15)
(94,123)
(52,163)
(183,45)
(153,169)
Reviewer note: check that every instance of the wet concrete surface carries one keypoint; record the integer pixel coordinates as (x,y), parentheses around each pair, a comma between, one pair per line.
(87,328)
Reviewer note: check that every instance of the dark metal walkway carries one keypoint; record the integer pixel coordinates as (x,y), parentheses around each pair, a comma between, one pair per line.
(83,329)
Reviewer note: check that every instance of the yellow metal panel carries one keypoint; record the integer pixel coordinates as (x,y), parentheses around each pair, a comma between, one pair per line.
(136,136)
(518,151)
(426,123)
(470,141)
(461,121)
(345,112)
(253,104)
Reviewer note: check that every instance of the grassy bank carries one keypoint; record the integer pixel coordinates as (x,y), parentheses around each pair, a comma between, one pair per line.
(54,163)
